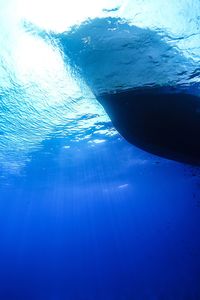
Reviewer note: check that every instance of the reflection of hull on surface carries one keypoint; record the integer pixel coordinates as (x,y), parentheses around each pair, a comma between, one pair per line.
(109,53)
(163,123)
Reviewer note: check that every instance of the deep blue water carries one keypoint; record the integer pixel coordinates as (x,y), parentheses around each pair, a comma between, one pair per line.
(85,215)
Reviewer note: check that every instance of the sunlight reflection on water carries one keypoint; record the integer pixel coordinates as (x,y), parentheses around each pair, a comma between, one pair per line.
(40,94)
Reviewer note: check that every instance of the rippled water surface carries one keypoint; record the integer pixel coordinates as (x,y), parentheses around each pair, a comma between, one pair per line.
(83,213)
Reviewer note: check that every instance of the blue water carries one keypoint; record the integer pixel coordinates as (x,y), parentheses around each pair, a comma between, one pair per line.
(84,215)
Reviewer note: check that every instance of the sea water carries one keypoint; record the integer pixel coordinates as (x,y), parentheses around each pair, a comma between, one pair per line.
(84,214)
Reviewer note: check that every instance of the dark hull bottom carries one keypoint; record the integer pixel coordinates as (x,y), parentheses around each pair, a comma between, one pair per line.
(160,122)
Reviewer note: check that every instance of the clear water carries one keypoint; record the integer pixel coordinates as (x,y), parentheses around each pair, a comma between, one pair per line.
(84,214)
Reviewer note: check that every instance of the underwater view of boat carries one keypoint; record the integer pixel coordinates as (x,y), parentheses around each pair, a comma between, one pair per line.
(99,150)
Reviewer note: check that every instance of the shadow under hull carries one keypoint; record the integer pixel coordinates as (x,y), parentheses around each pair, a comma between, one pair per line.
(164,123)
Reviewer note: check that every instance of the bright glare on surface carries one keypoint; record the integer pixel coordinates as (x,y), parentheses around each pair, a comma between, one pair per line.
(41,95)
(61,14)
